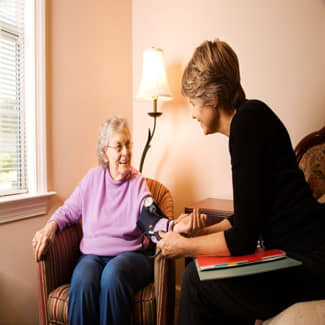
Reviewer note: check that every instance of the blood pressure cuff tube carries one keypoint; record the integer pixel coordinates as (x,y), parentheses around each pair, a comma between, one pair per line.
(149,216)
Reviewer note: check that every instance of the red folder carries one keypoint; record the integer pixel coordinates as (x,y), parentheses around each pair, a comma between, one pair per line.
(217,262)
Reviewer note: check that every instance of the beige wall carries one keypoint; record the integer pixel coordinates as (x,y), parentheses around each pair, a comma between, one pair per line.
(88,79)
(281,49)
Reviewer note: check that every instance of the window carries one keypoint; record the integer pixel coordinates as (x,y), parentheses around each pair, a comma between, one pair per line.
(23,186)
(12,135)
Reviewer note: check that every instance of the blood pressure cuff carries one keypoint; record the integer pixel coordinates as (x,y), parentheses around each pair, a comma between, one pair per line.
(149,216)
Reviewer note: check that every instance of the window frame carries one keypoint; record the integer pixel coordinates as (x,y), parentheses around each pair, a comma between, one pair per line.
(34,202)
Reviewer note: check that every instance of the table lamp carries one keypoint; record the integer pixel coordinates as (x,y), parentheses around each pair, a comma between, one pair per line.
(153,87)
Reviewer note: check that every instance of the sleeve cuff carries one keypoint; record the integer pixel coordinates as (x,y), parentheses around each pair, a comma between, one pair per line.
(58,222)
(162,225)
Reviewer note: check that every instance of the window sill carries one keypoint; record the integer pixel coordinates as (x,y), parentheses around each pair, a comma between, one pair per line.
(23,206)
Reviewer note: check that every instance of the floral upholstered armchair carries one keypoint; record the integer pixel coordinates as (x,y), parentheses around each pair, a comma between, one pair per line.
(153,305)
(310,153)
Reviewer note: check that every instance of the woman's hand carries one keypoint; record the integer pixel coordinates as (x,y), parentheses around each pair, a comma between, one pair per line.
(43,239)
(190,224)
(172,245)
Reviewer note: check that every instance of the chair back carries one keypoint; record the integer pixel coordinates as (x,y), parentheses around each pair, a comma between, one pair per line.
(162,196)
(310,152)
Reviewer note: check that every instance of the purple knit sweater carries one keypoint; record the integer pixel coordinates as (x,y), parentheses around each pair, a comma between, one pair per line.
(109,211)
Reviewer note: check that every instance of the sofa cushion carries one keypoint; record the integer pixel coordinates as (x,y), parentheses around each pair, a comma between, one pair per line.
(144,310)
(57,305)
(302,313)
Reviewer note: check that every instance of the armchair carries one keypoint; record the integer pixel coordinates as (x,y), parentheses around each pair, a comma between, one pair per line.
(153,305)
(310,153)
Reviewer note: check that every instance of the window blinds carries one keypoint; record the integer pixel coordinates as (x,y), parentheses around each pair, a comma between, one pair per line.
(12,135)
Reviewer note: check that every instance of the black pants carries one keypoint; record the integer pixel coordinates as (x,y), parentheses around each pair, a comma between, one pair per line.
(242,300)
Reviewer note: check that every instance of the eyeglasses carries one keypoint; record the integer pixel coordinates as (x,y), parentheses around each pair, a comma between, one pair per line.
(118,148)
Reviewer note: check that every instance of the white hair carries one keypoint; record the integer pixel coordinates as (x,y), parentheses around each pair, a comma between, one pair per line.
(109,127)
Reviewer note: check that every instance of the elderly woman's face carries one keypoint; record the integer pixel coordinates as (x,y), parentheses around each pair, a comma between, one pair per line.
(118,154)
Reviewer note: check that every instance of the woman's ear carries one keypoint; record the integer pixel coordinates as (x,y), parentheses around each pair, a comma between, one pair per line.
(105,156)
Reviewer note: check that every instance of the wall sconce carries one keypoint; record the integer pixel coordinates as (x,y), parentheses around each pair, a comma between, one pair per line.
(153,87)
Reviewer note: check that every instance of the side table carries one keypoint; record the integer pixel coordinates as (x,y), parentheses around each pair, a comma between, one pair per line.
(215,209)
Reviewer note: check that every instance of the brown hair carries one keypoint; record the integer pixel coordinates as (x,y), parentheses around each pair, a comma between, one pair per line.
(212,76)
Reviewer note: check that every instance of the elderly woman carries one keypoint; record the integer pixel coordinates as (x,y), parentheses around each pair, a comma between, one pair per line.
(271,200)
(113,265)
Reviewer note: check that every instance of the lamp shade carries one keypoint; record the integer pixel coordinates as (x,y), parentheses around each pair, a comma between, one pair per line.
(154,83)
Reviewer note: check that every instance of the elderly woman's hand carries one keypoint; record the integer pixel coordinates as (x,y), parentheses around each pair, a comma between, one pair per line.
(43,239)
(172,245)
(190,224)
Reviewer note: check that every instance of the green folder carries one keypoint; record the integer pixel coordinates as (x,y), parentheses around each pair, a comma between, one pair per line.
(243,270)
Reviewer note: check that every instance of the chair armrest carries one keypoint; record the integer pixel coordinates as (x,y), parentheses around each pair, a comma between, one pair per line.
(56,266)
(164,268)
(164,289)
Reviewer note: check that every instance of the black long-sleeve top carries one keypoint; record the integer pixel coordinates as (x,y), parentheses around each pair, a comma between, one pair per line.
(271,196)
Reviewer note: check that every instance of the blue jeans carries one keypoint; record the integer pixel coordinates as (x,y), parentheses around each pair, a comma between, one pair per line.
(103,287)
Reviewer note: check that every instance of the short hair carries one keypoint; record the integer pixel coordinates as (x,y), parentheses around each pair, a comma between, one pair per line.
(212,76)
(109,127)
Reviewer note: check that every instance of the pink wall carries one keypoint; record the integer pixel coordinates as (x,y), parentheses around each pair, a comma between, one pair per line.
(281,49)
(88,79)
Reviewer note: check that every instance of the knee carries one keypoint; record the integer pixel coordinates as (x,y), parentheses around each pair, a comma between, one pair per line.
(83,282)
(112,277)
(191,284)
(190,277)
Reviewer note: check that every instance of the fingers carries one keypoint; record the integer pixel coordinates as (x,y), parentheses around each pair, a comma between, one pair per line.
(43,246)
(41,243)
(172,245)
(164,243)
(159,244)
(196,217)
(202,220)
(192,217)
(36,245)
(181,217)
(193,221)
(162,234)
(197,221)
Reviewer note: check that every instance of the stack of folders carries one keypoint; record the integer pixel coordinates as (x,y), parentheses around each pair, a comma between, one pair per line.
(214,267)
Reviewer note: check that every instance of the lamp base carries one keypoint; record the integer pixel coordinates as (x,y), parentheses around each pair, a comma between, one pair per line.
(154,114)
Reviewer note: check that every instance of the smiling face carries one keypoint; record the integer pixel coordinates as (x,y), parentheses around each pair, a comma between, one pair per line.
(207,116)
(118,153)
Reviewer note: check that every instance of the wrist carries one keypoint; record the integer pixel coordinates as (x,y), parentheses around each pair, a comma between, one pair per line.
(52,226)
(188,248)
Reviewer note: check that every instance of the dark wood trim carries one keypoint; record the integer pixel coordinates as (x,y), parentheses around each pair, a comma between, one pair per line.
(215,209)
